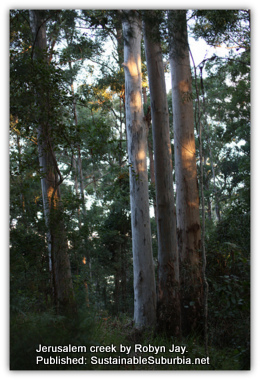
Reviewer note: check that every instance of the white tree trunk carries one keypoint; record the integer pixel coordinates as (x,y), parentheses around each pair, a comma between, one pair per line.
(144,280)
(169,316)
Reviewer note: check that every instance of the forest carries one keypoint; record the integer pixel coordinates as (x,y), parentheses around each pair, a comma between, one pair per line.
(129,229)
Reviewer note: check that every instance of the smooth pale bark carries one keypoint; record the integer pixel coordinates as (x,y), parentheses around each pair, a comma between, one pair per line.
(51,179)
(77,163)
(81,181)
(144,280)
(121,271)
(147,118)
(168,297)
(187,202)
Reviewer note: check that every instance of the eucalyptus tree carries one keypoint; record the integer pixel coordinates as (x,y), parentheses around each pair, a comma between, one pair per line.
(144,280)
(168,294)
(51,175)
(187,198)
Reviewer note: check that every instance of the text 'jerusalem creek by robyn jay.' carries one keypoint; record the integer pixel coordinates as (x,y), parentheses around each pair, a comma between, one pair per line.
(131,355)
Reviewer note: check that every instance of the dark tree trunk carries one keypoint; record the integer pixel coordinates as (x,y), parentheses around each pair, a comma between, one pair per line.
(51,178)
(168,297)
(187,201)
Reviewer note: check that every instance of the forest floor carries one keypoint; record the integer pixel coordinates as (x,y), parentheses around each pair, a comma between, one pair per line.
(110,343)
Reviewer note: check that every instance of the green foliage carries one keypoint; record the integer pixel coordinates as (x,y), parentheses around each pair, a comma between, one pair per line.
(98,227)
(228,273)
(218,26)
(29,330)
(90,328)
(225,118)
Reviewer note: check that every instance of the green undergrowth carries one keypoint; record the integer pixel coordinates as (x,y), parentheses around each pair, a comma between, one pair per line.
(89,329)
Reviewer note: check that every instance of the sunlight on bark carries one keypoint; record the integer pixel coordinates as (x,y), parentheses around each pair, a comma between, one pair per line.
(133,66)
(187,156)
(184,86)
(141,155)
(136,101)
(55,198)
(141,160)
(193,204)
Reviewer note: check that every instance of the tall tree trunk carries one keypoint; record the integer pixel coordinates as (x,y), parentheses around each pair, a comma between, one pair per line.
(22,198)
(202,198)
(209,216)
(51,178)
(122,249)
(168,298)
(144,280)
(78,165)
(120,54)
(206,127)
(187,202)
(147,118)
